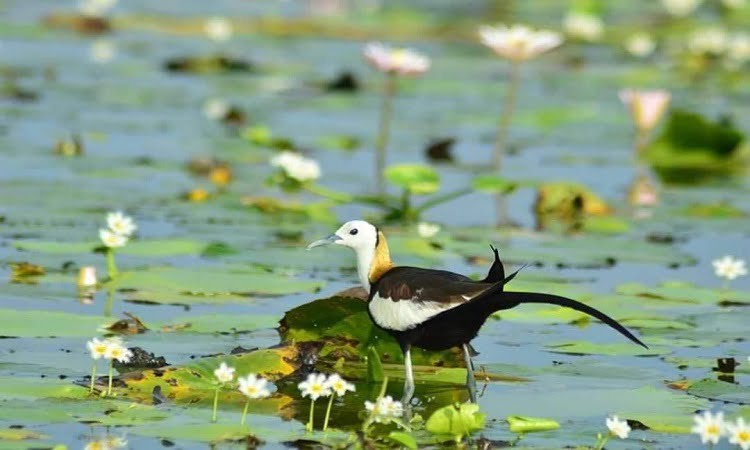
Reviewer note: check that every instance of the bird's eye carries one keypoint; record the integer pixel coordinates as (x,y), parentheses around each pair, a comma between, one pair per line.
(354,231)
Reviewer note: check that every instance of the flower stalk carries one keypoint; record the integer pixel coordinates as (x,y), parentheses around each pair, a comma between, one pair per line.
(111,266)
(381,145)
(309,426)
(503,125)
(110,375)
(328,411)
(244,412)
(93,378)
(215,405)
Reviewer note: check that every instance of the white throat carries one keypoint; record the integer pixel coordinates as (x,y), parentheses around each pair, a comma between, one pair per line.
(365,255)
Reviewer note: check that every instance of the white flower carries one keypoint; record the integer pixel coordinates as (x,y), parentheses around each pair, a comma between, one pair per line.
(254,386)
(107,443)
(117,351)
(617,427)
(385,409)
(121,224)
(710,427)
(640,45)
(111,239)
(215,108)
(739,433)
(399,61)
(315,386)
(97,348)
(708,41)
(584,26)
(427,230)
(95,8)
(339,385)
(518,42)
(87,277)
(218,29)
(730,268)
(647,107)
(680,8)
(224,373)
(297,166)
(102,51)
(734,4)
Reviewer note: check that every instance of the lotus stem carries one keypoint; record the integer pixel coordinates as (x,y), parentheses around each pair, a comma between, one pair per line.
(505,118)
(381,145)
(244,412)
(328,411)
(93,377)
(111,266)
(216,404)
(111,374)
(309,426)
(109,302)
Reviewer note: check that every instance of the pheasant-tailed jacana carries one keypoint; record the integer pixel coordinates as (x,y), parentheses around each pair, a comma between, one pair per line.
(435,309)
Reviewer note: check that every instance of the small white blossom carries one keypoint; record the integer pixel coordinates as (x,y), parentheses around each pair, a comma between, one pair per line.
(218,29)
(253,386)
(111,239)
(339,385)
(399,61)
(680,8)
(224,373)
(646,107)
(215,108)
(315,386)
(102,51)
(96,8)
(708,41)
(427,230)
(640,45)
(617,427)
(738,49)
(584,26)
(739,433)
(710,427)
(385,409)
(117,351)
(121,224)
(729,267)
(87,277)
(97,348)
(518,42)
(297,166)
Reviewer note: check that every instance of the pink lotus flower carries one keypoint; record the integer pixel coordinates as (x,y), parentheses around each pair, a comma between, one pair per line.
(398,61)
(647,107)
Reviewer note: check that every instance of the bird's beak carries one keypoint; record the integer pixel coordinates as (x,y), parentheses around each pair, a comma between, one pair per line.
(327,241)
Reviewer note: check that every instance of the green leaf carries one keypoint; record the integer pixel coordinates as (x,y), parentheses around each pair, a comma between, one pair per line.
(374,366)
(219,323)
(526,424)
(31,323)
(201,432)
(680,291)
(589,348)
(493,184)
(152,247)
(720,391)
(13,434)
(404,439)
(415,178)
(457,420)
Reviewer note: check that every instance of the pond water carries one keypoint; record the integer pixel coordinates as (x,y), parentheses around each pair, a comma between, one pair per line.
(141,125)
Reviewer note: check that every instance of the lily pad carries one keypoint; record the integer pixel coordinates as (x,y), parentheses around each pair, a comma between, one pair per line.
(456,421)
(525,424)
(685,292)
(720,391)
(31,323)
(618,349)
(138,247)
(415,178)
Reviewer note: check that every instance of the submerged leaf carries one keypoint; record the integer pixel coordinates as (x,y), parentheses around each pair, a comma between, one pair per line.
(526,424)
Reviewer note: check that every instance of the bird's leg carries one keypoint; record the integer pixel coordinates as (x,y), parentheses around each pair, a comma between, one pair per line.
(409,382)
(471,383)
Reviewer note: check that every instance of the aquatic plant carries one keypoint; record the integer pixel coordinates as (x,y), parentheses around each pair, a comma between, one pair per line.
(224,374)
(314,386)
(640,44)
(729,268)
(738,433)
(218,29)
(253,387)
(583,26)
(111,349)
(710,427)
(393,62)
(646,109)
(427,230)
(339,387)
(681,8)
(615,427)
(119,230)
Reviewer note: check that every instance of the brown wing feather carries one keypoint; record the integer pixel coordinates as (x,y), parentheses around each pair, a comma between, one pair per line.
(427,285)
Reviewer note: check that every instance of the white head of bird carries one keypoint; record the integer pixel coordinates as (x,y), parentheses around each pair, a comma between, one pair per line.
(373,257)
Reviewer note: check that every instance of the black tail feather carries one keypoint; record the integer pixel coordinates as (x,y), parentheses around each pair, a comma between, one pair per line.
(513,299)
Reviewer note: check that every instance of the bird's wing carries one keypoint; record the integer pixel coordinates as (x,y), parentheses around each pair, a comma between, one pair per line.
(404,297)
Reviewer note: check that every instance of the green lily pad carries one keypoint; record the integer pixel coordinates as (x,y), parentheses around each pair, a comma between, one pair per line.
(720,391)
(681,291)
(138,247)
(31,323)
(344,329)
(456,421)
(219,323)
(415,178)
(201,432)
(493,184)
(618,349)
(525,424)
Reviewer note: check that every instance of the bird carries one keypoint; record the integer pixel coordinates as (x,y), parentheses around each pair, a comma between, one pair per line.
(436,309)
